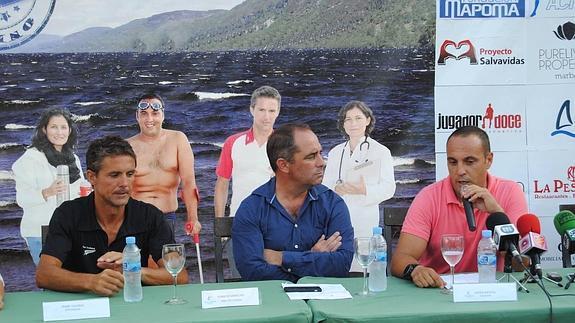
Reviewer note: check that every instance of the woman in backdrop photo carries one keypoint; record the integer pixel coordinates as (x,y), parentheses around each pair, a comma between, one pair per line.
(35,174)
(360,169)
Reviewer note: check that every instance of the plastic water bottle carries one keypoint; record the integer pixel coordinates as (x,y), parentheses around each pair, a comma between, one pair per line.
(486,258)
(132,271)
(378,268)
(62,174)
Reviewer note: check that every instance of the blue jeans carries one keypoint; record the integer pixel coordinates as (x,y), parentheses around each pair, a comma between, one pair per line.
(35,247)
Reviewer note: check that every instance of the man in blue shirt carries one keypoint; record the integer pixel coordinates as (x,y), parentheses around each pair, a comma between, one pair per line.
(293,226)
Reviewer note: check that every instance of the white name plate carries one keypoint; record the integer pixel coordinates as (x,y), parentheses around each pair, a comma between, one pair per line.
(492,292)
(75,310)
(230,297)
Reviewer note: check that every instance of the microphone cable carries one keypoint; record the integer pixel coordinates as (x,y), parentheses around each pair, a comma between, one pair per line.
(540,284)
(565,294)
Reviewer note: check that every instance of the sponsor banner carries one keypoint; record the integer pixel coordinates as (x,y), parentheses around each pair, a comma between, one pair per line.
(551,179)
(551,51)
(469,9)
(508,165)
(499,110)
(480,52)
(550,113)
(550,8)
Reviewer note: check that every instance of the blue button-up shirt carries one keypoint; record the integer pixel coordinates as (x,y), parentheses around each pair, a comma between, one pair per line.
(261,222)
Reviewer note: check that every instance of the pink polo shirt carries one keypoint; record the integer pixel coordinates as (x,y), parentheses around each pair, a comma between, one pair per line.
(436,210)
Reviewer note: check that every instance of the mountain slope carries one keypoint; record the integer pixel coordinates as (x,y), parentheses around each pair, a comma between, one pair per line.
(267,24)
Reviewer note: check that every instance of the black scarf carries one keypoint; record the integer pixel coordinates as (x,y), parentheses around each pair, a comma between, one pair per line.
(65,157)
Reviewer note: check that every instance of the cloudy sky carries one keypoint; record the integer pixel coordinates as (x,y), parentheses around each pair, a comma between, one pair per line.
(71,16)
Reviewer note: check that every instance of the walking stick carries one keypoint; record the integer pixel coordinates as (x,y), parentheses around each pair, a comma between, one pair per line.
(196,239)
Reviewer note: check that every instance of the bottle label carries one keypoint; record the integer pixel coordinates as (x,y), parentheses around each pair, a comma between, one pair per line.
(381,256)
(486,260)
(133,267)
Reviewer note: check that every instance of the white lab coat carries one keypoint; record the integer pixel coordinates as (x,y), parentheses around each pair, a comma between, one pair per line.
(363,209)
(33,173)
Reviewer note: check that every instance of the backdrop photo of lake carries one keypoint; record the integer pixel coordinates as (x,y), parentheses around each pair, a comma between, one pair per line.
(207,97)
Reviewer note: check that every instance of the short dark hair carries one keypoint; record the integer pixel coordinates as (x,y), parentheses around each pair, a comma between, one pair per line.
(106,147)
(363,108)
(150,96)
(39,138)
(281,143)
(265,91)
(466,131)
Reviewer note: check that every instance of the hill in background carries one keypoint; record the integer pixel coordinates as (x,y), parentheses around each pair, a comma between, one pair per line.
(262,24)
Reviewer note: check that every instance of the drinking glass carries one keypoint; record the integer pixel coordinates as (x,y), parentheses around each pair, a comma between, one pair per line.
(174,259)
(452,251)
(364,251)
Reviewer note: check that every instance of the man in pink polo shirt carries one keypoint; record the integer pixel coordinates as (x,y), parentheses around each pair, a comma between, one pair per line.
(244,160)
(437,210)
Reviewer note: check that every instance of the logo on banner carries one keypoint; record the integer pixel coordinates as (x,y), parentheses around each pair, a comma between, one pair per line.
(565,31)
(481,8)
(553,5)
(450,49)
(559,60)
(489,121)
(564,122)
(556,188)
(22,20)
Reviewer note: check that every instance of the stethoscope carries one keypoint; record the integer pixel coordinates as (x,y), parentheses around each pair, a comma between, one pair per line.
(365,142)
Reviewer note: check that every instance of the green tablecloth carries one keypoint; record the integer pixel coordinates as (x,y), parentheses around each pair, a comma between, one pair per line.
(404,302)
(275,306)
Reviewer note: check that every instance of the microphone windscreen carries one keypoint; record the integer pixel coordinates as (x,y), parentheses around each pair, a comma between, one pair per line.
(497,218)
(563,221)
(528,223)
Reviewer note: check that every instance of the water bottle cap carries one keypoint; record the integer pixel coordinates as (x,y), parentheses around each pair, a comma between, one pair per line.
(486,233)
(377,230)
(130,240)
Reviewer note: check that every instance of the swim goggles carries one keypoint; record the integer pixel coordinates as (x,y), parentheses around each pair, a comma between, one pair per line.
(143,105)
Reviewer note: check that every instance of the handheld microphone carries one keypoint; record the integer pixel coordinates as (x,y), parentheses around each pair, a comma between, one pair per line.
(532,243)
(505,235)
(468,207)
(564,223)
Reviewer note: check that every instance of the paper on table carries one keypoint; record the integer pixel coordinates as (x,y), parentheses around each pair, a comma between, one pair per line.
(230,297)
(74,310)
(487,292)
(369,169)
(467,278)
(328,291)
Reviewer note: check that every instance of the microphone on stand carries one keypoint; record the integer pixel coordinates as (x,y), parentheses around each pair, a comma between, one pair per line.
(505,236)
(564,223)
(533,244)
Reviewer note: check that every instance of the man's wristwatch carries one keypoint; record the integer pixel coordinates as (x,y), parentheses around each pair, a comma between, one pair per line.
(408,270)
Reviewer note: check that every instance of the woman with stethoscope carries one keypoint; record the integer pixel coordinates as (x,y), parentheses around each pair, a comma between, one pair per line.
(360,170)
